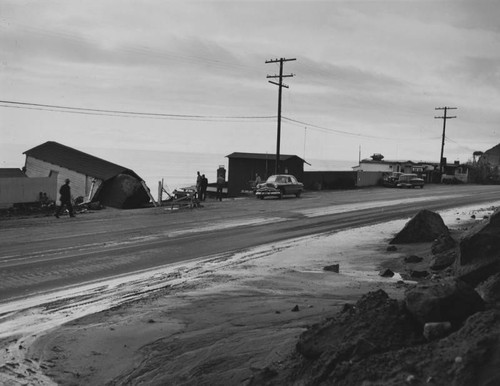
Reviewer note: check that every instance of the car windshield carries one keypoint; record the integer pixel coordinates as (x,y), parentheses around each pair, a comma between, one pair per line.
(282,179)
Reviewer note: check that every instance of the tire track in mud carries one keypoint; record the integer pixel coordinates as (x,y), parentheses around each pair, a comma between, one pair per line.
(52,268)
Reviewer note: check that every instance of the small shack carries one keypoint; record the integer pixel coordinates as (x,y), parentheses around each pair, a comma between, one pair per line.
(91,177)
(243,167)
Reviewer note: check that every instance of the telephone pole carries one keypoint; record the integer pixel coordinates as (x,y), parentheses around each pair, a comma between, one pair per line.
(280,84)
(444,118)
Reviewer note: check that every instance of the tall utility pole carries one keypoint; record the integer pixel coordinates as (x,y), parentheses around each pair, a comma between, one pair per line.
(280,85)
(444,118)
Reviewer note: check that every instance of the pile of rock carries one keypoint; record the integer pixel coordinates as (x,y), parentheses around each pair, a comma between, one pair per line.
(446,330)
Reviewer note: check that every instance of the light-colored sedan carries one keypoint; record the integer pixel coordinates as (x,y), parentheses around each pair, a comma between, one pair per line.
(278,186)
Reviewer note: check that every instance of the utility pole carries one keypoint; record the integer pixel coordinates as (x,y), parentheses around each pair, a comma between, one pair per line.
(444,118)
(280,84)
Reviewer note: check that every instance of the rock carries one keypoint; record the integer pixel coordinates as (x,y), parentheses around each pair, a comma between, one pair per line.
(443,260)
(443,243)
(413,259)
(445,300)
(295,309)
(392,248)
(479,251)
(489,290)
(424,226)
(418,274)
(332,268)
(436,330)
(386,273)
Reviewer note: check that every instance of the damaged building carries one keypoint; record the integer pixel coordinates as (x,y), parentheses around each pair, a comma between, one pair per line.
(92,178)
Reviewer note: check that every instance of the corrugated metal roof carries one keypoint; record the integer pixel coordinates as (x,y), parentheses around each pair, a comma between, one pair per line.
(11,172)
(283,157)
(69,158)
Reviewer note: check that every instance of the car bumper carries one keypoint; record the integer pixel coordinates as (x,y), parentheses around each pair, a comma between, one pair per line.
(267,192)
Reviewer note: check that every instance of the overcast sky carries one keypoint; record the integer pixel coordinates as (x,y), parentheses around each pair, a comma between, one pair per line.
(368,74)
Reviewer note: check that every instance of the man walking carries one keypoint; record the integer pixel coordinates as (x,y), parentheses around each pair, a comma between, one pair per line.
(65,199)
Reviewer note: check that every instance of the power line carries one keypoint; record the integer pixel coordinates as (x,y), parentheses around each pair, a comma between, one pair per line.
(330,130)
(122,113)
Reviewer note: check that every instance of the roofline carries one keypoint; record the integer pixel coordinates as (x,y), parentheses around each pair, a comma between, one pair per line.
(262,155)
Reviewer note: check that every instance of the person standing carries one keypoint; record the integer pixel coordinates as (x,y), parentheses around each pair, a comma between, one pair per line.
(220,185)
(204,185)
(65,192)
(198,185)
(257,180)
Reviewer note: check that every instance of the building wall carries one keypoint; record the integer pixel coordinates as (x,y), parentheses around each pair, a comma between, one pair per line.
(341,179)
(384,167)
(369,178)
(241,171)
(80,183)
(16,190)
(319,180)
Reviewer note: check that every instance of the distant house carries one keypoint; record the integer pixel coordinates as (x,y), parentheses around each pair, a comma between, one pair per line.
(92,178)
(491,156)
(243,167)
(489,166)
(378,164)
(427,170)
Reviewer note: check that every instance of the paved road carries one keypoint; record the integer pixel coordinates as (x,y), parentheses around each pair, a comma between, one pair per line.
(44,253)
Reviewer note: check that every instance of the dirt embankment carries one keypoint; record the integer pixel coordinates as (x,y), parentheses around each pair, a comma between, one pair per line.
(445,331)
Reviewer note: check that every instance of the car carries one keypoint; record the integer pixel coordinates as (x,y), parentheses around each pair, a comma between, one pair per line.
(391,180)
(279,185)
(410,181)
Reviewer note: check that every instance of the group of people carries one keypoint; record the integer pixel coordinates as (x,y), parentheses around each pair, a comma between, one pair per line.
(202,184)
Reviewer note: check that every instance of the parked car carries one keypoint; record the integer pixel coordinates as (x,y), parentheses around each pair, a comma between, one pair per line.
(410,181)
(391,180)
(278,186)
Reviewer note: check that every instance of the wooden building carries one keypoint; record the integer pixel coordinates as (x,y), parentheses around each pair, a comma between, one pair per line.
(243,168)
(92,178)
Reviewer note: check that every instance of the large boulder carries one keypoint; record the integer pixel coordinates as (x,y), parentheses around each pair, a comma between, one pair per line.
(424,226)
(479,251)
(489,290)
(448,300)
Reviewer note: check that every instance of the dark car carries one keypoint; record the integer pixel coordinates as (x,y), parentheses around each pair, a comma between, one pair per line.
(279,185)
(410,181)
(391,180)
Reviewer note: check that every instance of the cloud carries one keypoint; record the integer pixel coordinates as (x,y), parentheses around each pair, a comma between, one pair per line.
(372,68)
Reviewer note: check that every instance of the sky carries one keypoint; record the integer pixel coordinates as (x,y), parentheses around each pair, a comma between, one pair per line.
(191,76)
